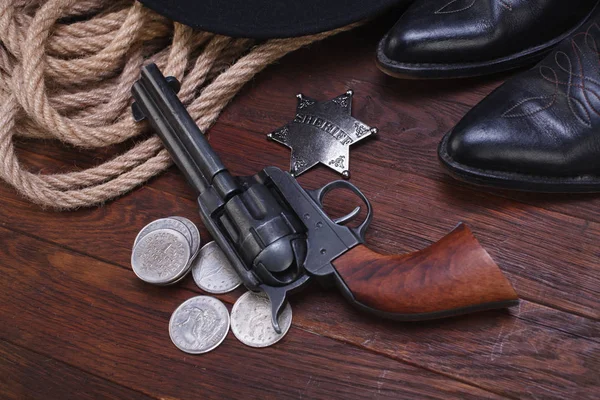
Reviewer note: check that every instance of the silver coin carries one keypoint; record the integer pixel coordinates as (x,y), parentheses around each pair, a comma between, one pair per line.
(195,243)
(179,277)
(161,256)
(199,325)
(213,272)
(165,223)
(251,320)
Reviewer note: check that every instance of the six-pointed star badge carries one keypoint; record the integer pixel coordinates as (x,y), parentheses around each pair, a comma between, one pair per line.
(322,132)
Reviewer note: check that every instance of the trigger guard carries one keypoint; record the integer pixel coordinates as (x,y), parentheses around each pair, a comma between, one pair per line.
(278,296)
(319,194)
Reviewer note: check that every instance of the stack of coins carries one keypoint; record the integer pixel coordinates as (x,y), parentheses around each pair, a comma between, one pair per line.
(164,250)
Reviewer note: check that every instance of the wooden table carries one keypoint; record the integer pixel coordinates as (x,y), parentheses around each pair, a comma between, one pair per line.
(77,323)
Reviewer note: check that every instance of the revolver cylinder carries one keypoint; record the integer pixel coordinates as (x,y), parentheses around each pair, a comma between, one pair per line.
(266,233)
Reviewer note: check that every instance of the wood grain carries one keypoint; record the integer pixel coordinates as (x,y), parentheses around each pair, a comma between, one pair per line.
(25,374)
(466,344)
(495,350)
(101,319)
(451,277)
(508,230)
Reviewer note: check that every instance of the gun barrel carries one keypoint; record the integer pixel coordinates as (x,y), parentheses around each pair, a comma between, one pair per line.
(158,102)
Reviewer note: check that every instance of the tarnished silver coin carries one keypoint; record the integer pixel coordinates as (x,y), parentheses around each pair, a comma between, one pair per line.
(199,325)
(165,223)
(251,320)
(213,272)
(195,243)
(161,256)
(179,277)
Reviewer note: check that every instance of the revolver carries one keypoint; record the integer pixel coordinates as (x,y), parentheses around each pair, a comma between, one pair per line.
(278,237)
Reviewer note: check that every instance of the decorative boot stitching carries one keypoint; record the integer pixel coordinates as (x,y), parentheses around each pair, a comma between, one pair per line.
(456,6)
(577,80)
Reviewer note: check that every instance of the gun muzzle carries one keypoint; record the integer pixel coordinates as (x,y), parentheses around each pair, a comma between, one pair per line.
(157,101)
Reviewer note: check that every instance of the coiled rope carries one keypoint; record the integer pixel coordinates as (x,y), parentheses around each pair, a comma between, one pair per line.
(66,71)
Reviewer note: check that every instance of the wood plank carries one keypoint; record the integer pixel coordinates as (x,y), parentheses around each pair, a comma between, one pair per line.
(550,257)
(412,116)
(547,271)
(542,271)
(25,374)
(172,182)
(561,321)
(101,319)
(413,153)
(495,350)
(471,342)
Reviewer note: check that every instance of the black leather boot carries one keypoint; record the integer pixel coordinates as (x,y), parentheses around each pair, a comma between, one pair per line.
(460,38)
(539,131)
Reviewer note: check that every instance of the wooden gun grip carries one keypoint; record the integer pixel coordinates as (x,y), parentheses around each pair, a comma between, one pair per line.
(451,277)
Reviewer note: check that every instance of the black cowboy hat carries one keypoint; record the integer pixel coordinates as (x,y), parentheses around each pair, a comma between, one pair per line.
(264,19)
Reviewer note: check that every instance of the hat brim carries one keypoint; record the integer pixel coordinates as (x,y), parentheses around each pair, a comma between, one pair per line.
(262,19)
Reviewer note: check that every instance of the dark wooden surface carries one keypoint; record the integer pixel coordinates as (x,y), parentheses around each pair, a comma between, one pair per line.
(76,323)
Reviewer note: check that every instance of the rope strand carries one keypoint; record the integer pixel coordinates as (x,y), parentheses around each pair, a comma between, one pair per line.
(66,71)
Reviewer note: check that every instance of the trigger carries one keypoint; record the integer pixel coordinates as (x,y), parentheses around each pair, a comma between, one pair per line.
(346,218)
(277,298)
